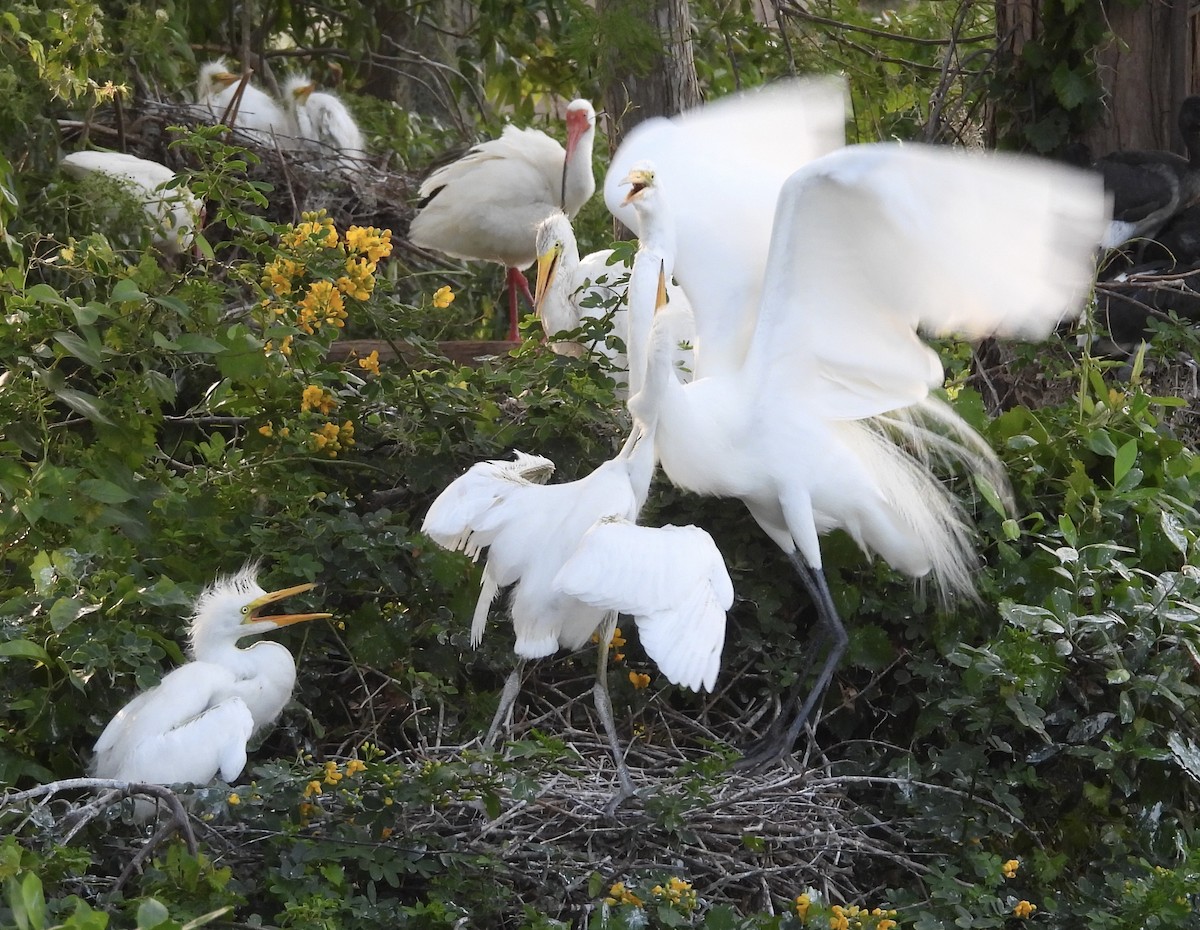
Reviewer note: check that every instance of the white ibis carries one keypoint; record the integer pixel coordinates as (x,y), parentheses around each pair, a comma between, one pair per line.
(487,205)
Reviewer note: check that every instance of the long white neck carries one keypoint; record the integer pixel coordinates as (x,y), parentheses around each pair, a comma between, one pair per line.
(638,453)
(655,257)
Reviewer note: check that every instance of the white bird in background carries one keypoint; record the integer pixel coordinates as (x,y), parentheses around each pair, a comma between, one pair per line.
(174,214)
(196,722)
(258,117)
(487,205)
(324,121)
(575,558)
(818,415)
(570,290)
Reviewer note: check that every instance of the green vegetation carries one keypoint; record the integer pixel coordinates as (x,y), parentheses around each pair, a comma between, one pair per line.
(1034,758)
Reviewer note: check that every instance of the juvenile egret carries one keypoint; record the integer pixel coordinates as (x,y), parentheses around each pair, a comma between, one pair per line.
(818,416)
(174,213)
(323,120)
(196,722)
(487,205)
(570,289)
(575,557)
(258,116)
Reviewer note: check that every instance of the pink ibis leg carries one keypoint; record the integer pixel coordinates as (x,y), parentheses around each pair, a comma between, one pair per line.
(516,281)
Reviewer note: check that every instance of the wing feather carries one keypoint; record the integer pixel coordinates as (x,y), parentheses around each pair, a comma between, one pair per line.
(671,579)
(874,242)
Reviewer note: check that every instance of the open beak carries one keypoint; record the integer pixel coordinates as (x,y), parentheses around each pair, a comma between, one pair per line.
(660,300)
(281,619)
(638,182)
(547,265)
(302,93)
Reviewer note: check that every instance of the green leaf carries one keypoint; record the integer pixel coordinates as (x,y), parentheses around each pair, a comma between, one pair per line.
(1125,458)
(104,491)
(199,344)
(64,612)
(125,290)
(80,348)
(1072,88)
(24,649)
(45,294)
(152,913)
(86,405)
(1173,530)
(242,358)
(28,903)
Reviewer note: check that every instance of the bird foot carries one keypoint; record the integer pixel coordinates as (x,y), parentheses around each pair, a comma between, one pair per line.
(764,754)
(627,791)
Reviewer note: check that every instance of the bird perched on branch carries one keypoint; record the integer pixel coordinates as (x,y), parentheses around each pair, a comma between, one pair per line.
(487,205)
(322,120)
(811,399)
(173,213)
(196,722)
(249,110)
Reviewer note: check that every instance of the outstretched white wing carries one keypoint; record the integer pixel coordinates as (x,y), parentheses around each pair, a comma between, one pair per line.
(458,518)
(722,166)
(671,579)
(873,242)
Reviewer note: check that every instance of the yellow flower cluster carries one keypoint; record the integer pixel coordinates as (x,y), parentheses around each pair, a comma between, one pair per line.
(280,275)
(359,280)
(317,399)
(234,799)
(354,766)
(1024,909)
(443,297)
(678,892)
(369,242)
(332,775)
(1009,868)
(848,918)
(370,363)
(313,787)
(314,228)
(619,894)
(322,305)
(638,680)
(268,430)
(332,439)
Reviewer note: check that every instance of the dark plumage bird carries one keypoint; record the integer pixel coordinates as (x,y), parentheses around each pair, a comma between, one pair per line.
(1150,187)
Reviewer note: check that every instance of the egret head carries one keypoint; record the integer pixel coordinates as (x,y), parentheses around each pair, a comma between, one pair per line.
(640,180)
(228,609)
(552,235)
(297,89)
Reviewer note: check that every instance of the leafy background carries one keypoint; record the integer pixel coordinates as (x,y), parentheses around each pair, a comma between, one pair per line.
(154,434)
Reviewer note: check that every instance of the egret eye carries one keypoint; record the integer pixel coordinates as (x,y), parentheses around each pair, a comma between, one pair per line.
(246,611)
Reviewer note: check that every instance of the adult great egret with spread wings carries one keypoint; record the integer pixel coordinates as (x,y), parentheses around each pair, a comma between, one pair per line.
(196,722)
(813,406)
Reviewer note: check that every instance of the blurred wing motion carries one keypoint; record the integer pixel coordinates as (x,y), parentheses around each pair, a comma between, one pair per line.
(671,579)
(723,165)
(874,242)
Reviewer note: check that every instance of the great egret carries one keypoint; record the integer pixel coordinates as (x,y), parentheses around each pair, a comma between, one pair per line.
(258,116)
(324,121)
(196,722)
(575,557)
(570,289)
(1150,187)
(174,213)
(818,416)
(487,204)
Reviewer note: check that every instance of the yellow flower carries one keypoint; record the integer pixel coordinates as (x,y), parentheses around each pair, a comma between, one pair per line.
(359,280)
(279,275)
(266,430)
(234,799)
(385,833)
(370,363)
(317,398)
(316,227)
(322,304)
(354,766)
(619,894)
(886,924)
(443,297)
(332,775)
(313,787)
(617,640)
(1024,909)
(67,254)
(638,680)
(1010,868)
(803,903)
(370,242)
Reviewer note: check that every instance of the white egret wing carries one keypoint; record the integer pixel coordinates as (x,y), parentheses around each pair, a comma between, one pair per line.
(457,519)
(873,242)
(671,579)
(722,166)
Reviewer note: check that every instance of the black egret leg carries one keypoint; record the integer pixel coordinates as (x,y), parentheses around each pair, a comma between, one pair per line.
(604,709)
(833,629)
(508,697)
